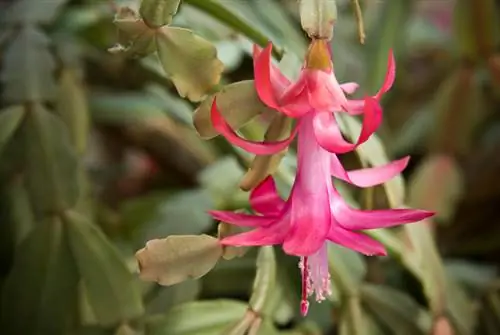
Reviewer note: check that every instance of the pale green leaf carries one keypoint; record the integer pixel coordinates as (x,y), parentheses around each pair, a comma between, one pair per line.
(112,290)
(398,311)
(177,258)
(157,13)
(460,307)
(265,280)
(40,291)
(33,11)
(135,37)
(28,67)
(72,108)
(51,165)
(10,119)
(353,319)
(347,269)
(210,317)
(168,297)
(237,102)
(190,61)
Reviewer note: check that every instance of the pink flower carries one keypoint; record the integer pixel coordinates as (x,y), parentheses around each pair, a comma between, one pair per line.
(314,212)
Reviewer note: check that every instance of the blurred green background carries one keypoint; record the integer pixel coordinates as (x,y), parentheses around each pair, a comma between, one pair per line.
(99,155)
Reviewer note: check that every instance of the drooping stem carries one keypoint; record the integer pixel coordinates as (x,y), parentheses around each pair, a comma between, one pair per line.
(359,19)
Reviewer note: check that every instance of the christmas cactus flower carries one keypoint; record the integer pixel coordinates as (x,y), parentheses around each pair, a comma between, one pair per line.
(314,213)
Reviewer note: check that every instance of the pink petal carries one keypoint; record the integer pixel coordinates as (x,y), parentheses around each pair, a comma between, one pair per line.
(265,199)
(241,219)
(349,88)
(258,148)
(355,219)
(356,241)
(278,80)
(390,76)
(355,107)
(325,93)
(263,78)
(256,237)
(368,177)
(309,229)
(328,133)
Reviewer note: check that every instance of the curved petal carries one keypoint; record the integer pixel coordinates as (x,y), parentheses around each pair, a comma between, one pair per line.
(279,81)
(258,148)
(390,76)
(263,78)
(355,219)
(368,177)
(241,219)
(328,133)
(356,241)
(355,107)
(325,93)
(265,199)
(257,237)
(349,88)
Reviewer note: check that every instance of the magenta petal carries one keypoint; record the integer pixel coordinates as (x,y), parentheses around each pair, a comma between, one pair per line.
(265,199)
(349,88)
(241,219)
(263,78)
(356,241)
(279,81)
(390,76)
(258,148)
(256,237)
(368,177)
(355,219)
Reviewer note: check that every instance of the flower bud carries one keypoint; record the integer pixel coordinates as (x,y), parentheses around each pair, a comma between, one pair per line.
(318,17)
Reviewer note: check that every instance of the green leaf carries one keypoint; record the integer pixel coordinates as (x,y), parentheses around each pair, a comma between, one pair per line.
(265,280)
(51,164)
(33,11)
(353,319)
(237,102)
(210,317)
(157,13)
(222,177)
(28,67)
(10,119)
(398,311)
(190,61)
(39,294)
(112,291)
(373,153)
(21,215)
(460,307)
(135,37)
(347,269)
(168,297)
(177,258)
(72,108)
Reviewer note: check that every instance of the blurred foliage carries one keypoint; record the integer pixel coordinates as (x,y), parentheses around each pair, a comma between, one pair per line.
(100,155)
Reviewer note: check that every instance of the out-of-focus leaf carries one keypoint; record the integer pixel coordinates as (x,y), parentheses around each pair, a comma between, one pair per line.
(125,108)
(460,308)
(437,185)
(237,102)
(222,177)
(472,275)
(158,13)
(32,11)
(190,61)
(421,257)
(50,162)
(177,258)
(10,118)
(39,293)
(373,153)
(209,317)
(398,311)
(265,279)
(162,215)
(112,291)
(20,209)
(72,107)
(28,67)
(171,296)
(353,320)
(347,269)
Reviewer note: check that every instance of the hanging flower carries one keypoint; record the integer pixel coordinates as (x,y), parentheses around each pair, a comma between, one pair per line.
(314,212)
